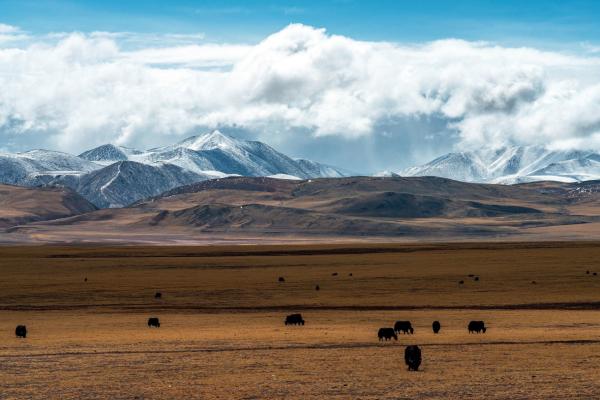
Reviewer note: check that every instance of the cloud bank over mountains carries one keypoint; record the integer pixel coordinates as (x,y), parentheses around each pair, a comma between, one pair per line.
(73,91)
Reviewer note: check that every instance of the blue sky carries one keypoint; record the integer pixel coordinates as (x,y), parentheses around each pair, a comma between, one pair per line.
(548,23)
(365,85)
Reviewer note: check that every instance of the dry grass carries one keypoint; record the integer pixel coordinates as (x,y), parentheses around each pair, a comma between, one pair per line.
(222,333)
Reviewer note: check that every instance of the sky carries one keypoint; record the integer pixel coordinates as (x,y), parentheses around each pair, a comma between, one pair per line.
(368,86)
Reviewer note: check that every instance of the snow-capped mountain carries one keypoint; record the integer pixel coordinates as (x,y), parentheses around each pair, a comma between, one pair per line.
(114,176)
(514,164)
(218,155)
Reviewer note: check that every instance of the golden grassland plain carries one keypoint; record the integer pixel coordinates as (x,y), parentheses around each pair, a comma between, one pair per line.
(222,334)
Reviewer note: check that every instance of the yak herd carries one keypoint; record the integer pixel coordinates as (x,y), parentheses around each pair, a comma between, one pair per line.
(412,353)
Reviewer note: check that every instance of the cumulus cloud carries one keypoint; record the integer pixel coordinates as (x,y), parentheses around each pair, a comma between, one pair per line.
(82,90)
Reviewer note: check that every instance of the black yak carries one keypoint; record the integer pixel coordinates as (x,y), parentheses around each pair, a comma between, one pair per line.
(281,279)
(436,326)
(387,334)
(294,319)
(153,322)
(158,295)
(412,357)
(21,331)
(476,326)
(404,326)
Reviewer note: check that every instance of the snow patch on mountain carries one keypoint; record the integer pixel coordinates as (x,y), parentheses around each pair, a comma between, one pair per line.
(285,176)
(386,174)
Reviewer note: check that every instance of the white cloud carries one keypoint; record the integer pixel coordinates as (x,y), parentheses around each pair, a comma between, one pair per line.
(4,28)
(9,33)
(82,90)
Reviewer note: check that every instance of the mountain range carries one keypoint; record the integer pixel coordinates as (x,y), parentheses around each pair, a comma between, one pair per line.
(512,164)
(115,176)
(111,176)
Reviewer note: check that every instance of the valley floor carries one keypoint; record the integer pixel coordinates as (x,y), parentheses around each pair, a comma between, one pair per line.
(222,334)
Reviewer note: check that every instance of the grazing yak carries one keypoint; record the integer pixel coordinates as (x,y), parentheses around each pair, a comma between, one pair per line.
(436,326)
(404,326)
(281,279)
(387,334)
(21,331)
(153,322)
(317,288)
(334,274)
(412,357)
(294,319)
(158,295)
(477,326)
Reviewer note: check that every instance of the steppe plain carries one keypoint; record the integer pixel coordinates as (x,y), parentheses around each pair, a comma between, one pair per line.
(222,334)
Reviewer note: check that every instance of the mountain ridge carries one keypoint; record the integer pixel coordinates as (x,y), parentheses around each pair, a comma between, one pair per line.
(407,208)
